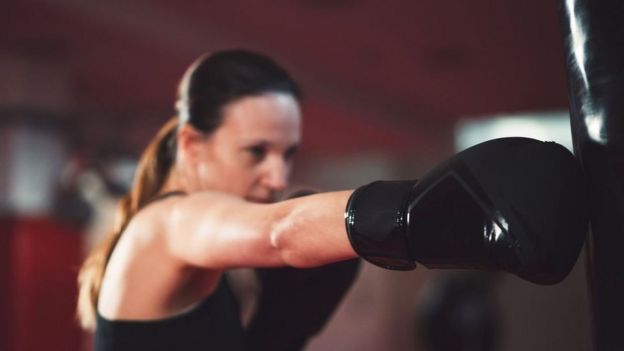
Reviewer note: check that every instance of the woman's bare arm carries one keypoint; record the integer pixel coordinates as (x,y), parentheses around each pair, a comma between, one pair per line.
(215,230)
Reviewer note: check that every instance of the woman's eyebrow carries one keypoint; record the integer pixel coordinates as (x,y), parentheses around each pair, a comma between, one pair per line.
(253,142)
(266,143)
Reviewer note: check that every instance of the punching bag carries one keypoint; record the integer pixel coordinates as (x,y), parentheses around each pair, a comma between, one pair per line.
(593,34)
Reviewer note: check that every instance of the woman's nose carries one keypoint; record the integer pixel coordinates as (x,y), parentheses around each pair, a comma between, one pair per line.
(276,176)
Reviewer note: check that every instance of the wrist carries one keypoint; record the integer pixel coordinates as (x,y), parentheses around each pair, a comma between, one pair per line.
(375,219)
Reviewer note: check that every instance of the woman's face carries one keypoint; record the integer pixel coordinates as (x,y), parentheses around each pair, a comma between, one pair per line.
(251,153)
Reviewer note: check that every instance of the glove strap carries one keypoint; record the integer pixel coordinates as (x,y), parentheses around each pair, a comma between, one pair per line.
(375,218)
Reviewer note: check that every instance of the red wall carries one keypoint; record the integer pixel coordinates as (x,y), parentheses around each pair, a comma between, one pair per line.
(39,259)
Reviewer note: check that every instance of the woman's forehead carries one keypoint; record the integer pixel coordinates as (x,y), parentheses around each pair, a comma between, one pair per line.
(268,116)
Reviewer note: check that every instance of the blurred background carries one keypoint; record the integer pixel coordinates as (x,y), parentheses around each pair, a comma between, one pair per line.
(391,89)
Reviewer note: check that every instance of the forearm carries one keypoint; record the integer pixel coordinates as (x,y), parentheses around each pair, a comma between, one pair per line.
(215,230)
(311,230)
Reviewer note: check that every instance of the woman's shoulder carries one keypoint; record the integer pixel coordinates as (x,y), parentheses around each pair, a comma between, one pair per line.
(155,215)
(182,206)
(179,216)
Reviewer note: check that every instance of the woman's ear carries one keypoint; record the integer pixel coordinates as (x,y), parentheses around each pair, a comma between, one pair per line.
(190,141)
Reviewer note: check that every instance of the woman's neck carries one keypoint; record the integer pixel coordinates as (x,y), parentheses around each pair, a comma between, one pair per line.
(173,183)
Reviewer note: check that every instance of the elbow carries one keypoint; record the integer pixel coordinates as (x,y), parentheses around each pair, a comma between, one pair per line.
(288,242)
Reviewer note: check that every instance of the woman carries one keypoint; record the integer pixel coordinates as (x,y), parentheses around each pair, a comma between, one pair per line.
(203,202)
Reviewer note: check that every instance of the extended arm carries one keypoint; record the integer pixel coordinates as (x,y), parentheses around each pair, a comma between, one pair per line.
(515,204)
(215,230)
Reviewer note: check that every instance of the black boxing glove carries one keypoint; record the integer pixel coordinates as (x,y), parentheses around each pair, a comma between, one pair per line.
(514,204)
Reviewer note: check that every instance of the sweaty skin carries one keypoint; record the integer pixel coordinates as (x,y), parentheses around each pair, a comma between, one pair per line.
(174,251)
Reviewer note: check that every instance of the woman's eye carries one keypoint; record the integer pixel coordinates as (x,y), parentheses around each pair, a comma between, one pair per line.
(257,152)
(290,153)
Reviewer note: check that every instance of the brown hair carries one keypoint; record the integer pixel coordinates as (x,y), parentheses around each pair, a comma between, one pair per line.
(151,173)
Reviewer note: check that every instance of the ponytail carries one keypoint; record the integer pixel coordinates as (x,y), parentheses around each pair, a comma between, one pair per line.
(150,176)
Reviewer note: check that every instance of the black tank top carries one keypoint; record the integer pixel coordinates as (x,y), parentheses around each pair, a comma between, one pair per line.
(214,324)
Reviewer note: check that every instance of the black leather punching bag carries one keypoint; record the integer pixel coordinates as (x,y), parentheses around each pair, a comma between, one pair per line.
(593,34)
